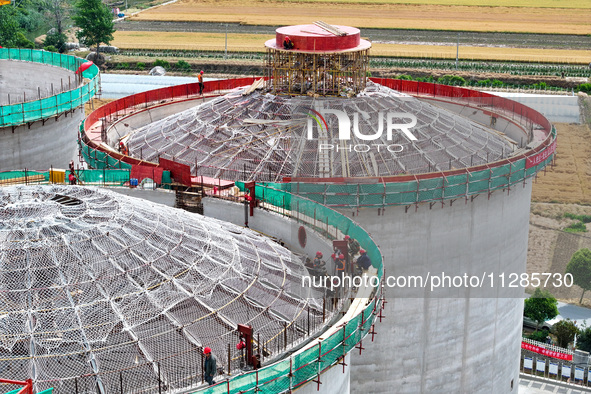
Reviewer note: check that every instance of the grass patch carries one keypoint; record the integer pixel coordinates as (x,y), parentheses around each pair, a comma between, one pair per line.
(582,218)
(577,227)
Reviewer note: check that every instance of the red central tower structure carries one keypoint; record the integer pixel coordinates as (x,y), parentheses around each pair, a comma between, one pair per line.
(318,59)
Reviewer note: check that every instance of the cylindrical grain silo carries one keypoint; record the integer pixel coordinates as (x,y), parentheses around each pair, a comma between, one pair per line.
(439,176)
(41,106)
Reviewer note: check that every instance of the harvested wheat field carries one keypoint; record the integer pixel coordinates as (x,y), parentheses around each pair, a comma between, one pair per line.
(569,180)
(429,15)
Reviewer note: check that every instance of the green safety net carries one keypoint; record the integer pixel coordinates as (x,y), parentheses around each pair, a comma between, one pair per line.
(17,114)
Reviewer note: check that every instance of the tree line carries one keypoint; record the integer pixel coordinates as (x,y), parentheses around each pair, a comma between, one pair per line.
(21,21)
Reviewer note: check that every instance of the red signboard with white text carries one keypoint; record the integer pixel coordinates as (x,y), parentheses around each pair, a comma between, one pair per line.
(546,352)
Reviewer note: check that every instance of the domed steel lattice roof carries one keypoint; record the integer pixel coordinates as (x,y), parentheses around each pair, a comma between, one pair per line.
(265,137)
(97,283)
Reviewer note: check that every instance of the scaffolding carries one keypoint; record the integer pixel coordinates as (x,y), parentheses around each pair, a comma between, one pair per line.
(320,74)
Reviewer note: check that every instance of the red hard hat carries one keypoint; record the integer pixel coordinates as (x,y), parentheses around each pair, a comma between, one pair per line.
(333,255)
(207,350)
(287,38)
(240,345)
(319,254)
(341,256)
(347,237)
(362,251)
(201,72)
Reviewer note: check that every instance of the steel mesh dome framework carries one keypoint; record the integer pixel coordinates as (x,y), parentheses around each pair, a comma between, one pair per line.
(95,283)
(265,137)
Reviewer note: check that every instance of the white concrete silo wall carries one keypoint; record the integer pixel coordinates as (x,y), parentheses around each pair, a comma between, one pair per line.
(561,109)
(448,345)
(42,145)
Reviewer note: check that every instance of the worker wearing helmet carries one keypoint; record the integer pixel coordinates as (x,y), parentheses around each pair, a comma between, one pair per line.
(200,78)
(340,262)
(288,43)
(363,261)
(319,265)
(210,367)
(354,245)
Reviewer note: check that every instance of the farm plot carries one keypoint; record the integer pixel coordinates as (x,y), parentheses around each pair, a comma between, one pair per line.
(569,180)
(384,14)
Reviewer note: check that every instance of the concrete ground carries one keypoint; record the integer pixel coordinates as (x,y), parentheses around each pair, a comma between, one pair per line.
(536,385)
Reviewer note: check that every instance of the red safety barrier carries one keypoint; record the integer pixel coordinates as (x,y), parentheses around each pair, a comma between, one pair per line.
(473,97)
(141,172)
(180,172)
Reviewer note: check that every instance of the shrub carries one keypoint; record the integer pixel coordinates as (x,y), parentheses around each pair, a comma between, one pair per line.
(140,66)
(584,87)
(584,339)
(451,80)
(539,336)
(161,63)
(50,48)
(57,40)
(23,42)
(565,331)
(405,77)
(183,66)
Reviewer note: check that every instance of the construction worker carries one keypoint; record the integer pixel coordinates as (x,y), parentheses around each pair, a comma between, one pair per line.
(123,148)
(72,177)
(340,263)
(353,245)
(363,262)
(200,78)
(319,265)
(210,366)
(288,43)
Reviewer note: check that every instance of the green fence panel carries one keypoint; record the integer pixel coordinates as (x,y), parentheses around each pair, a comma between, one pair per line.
(499,182)
(341,199)
(454,191)
(517,176)
(305,366)
(401,198)
(478,187)
(479,175)
(301,188)
(501,170)
(376,188)
(398,187)
(319,198)
(371,199)
(518,165)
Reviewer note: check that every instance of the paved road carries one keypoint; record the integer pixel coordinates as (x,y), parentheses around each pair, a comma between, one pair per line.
(528,386)
(575,312)
(518,40)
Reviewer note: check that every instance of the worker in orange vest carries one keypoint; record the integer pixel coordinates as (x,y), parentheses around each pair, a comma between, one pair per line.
(201,86)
